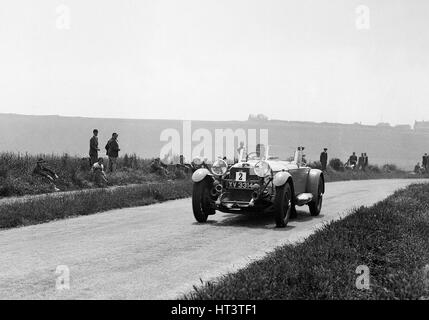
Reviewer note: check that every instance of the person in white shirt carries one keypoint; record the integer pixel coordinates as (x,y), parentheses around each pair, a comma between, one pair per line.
(99,174)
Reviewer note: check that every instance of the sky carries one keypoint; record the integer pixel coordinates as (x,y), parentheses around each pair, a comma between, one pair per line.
(306,60)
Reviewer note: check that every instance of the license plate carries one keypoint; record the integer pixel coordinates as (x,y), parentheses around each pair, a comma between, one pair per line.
(240,176)
(239,185)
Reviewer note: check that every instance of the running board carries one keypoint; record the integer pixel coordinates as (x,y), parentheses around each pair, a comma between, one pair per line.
(304,198)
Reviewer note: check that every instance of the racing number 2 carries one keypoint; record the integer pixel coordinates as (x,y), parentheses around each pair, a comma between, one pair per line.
(240,176)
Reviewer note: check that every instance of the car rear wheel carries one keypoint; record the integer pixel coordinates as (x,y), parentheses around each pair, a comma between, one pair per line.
(315,206)
(201,201)
(283,205)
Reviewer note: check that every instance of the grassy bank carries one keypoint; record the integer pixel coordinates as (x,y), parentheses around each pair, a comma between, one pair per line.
(337,171)
(59,206)
(332,175)
(391,238)
(16,178)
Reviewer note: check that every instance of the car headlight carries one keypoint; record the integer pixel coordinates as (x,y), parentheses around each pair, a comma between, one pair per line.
(219,167)
(262,169)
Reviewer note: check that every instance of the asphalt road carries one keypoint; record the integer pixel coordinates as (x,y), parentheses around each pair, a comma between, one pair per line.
(156,251)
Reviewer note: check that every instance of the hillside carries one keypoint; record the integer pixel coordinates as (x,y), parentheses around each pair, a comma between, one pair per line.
(56,134)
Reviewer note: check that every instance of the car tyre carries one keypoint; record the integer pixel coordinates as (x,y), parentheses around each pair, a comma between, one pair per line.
(201,201)
(315,206)
(293,213)
(283,205)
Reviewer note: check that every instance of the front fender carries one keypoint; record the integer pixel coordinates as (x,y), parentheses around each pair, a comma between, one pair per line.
(313,178)
(200,174)
(280,178)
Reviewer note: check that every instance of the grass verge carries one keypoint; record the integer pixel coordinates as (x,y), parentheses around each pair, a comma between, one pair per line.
(59,206)
(391,238)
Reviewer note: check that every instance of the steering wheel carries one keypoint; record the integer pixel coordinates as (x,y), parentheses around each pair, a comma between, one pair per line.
(253,156)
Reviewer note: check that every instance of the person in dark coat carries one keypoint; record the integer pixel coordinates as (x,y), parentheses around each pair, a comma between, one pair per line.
(365,161)
(112,151)
(361,161)
(353,160)
(324,158)
(425,161)
(93,147)
(417,168)
(45,172)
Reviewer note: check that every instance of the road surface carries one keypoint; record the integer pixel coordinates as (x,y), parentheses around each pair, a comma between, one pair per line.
(156,251)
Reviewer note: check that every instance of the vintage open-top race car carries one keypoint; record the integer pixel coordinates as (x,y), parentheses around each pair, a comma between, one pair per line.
(258,183)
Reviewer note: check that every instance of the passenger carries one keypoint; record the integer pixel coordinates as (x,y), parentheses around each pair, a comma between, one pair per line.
(99,174)
(299,156)
(46,173)
(259,150)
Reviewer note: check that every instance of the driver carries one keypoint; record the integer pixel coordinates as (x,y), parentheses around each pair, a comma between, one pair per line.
(241,150)
(260,150)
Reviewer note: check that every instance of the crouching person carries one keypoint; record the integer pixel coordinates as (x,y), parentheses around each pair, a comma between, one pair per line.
(99,174)
(46,173)
(158,167)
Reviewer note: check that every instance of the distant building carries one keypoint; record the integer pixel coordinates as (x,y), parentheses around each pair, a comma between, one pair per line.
(257,117)
(403,127)
(421,125)
(383,124)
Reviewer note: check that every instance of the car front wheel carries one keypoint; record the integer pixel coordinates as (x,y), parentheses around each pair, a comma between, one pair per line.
(315,206)
(283,205)
(201,201)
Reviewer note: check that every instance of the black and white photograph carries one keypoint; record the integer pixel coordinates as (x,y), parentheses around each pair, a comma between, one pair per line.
(201,152)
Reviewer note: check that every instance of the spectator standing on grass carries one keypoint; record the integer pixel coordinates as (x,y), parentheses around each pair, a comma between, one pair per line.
(425,161)
(417,168)
(361,162)
(365,161)
(45,172)
(112,151)
(93,147)
(99,174)
(353,160)
(324,159)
